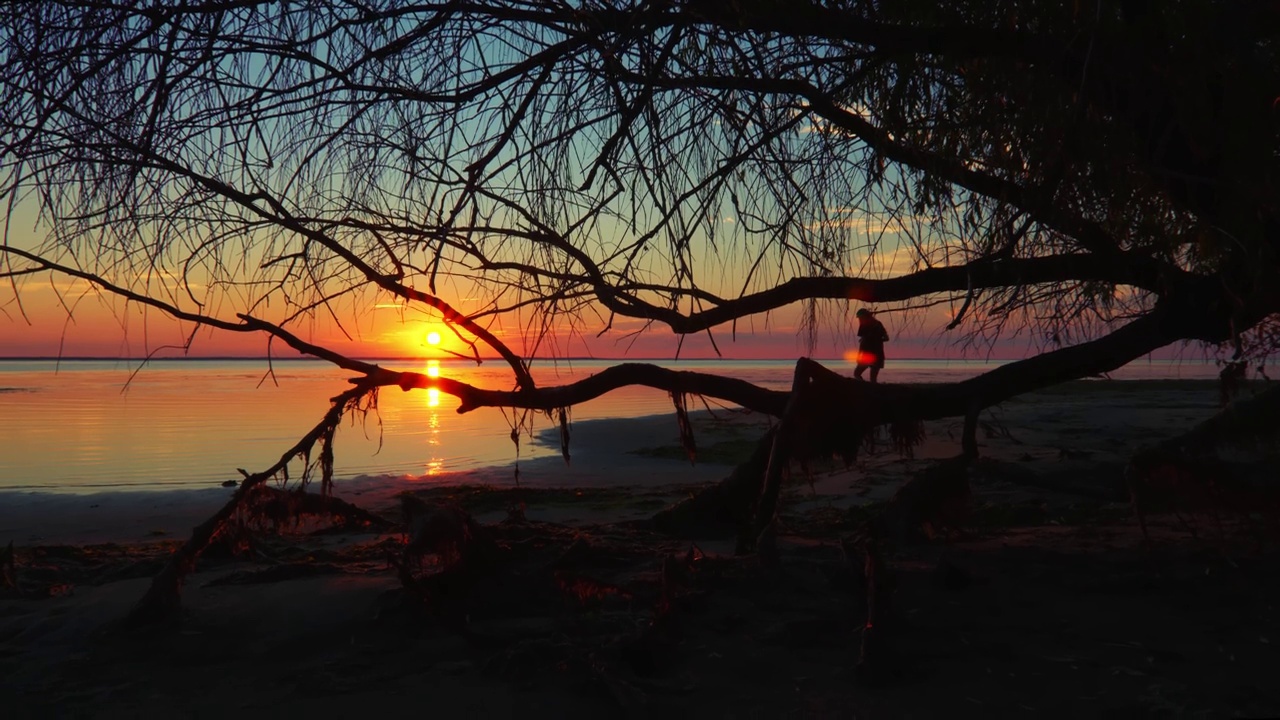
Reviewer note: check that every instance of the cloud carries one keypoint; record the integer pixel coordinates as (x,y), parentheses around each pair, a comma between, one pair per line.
(868,223)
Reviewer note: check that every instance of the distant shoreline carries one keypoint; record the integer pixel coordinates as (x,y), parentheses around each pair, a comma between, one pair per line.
(709,361)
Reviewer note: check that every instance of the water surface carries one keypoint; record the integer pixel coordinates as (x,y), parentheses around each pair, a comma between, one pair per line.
(92,425)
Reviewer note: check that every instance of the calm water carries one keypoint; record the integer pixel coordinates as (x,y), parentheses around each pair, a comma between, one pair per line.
(77,426)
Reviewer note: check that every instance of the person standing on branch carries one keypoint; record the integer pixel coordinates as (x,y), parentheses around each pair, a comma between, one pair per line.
(871,339)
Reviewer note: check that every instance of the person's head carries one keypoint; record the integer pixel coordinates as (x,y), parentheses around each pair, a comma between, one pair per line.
(864,314)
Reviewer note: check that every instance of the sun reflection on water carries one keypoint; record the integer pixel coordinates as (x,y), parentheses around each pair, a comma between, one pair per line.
(435,463)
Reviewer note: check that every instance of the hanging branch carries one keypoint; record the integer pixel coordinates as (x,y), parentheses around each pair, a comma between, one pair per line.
(563,416)
(968,300)
(687,440)
(162,598)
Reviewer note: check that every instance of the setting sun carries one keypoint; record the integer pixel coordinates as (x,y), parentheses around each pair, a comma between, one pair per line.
(433,338)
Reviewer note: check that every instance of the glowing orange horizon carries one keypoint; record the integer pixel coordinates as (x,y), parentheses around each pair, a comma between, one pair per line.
(100,329)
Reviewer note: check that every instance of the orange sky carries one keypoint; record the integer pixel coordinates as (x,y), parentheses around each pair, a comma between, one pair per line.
(107,327)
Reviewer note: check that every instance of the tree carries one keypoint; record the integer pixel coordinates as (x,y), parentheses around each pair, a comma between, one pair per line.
(1102,175)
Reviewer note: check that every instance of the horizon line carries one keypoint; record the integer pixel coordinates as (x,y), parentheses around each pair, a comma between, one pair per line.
(418,358)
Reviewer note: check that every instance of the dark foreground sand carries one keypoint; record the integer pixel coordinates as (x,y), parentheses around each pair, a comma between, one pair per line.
(1051,606)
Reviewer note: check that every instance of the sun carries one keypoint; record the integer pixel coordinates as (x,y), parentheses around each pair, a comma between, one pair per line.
(433,338)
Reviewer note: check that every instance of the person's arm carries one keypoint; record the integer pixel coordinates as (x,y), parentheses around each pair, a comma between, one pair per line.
(884,334)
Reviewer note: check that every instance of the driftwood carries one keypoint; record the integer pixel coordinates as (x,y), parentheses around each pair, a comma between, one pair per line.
(1186,473)
(277,508)
(835,419)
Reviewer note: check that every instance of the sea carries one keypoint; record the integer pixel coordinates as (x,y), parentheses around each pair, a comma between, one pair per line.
(78,425)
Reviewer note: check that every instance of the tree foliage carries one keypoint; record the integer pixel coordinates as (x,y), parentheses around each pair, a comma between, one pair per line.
(1102,174)
(1067,164)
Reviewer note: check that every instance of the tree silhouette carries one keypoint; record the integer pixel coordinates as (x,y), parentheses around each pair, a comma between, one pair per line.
(1104,176)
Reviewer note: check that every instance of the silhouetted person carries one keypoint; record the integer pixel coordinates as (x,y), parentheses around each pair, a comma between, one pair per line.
(871,339)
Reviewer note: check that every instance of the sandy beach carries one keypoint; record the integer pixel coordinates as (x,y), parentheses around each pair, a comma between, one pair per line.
(1048,604)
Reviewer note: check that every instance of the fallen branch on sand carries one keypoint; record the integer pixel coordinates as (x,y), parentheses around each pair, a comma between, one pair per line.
(162,598)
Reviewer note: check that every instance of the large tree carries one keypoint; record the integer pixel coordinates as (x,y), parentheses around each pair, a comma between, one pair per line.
(1102,173)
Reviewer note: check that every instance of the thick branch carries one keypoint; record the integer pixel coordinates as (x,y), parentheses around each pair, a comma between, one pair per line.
(1031,200)
(1129,268)
(248,322)
(1134,269)
(1166,324)
(1187,315)
(733,390)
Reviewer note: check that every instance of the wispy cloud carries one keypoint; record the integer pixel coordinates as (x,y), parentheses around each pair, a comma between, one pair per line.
(862,222)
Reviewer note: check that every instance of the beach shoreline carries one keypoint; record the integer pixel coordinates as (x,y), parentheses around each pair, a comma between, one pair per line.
(1050,603)
(1052,432)
(1092,420)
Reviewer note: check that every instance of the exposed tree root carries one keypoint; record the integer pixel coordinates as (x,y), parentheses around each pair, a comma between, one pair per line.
(726,506)
(824,419)
(819,421)
(447,531)
(1187,473)
(831,415)
(825,415)
(934,502)
(8,570)
(517,569)
(278,508)
(1246,421)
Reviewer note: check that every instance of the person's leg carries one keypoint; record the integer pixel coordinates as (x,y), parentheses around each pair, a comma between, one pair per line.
(875,373)
(858,370)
